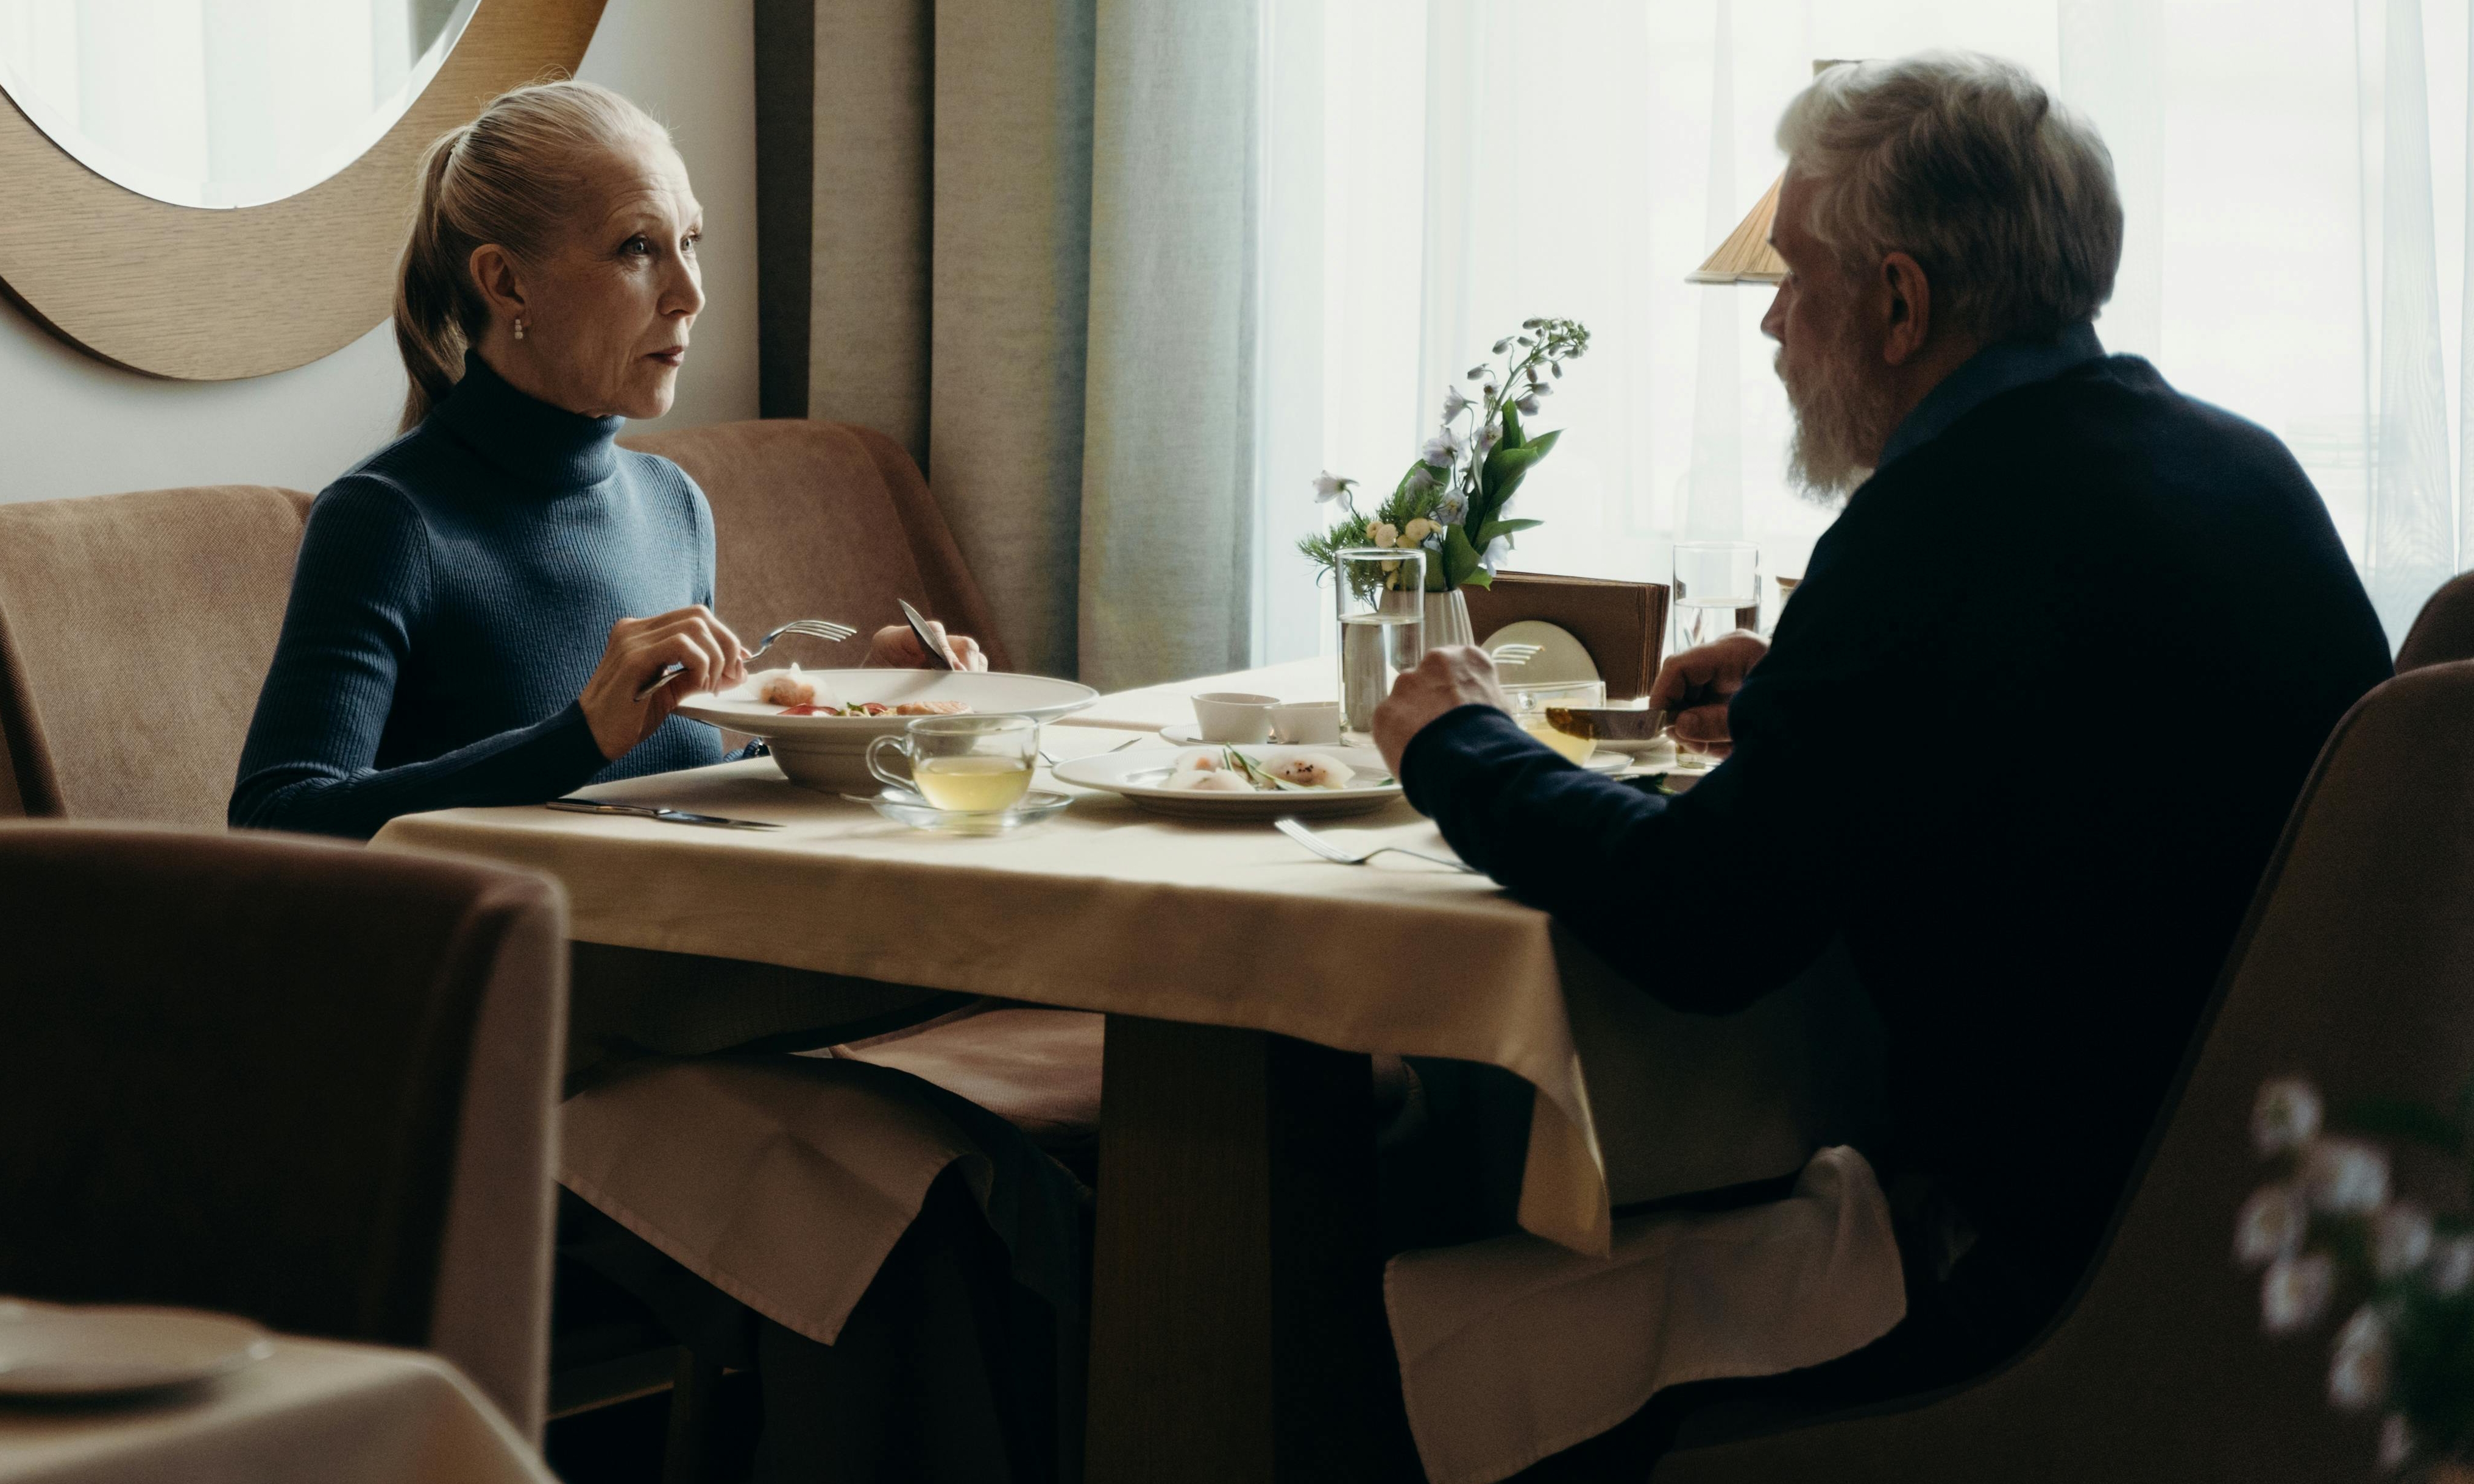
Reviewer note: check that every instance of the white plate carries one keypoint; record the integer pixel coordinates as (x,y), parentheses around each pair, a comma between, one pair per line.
(1142,774)
(54,1351)
(1539,654)
(829,752)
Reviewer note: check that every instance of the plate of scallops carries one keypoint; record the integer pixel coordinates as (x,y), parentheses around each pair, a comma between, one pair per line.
(1234,783)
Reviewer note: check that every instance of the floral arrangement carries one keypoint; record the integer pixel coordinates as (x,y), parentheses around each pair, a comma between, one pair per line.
(2328,1222)
(1450,502)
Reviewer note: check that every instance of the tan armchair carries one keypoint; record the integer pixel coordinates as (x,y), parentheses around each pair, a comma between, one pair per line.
(288,1079)
(2352,968)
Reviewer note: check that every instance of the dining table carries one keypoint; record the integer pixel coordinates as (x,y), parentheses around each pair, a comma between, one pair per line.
(304,1412)
(1237,1330)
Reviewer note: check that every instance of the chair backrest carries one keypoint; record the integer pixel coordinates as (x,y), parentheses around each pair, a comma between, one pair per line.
(2445,630)
(296,1080)
(824,520)
(134,633)
(2355,967)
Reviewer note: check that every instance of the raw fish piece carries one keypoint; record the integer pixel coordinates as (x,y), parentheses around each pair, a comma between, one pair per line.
(1313,769)
(790,687)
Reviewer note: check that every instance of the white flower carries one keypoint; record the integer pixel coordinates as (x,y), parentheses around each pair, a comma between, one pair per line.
(2270,1226)
(2396,1443)
(1495,552)
(1452,509)
(1528,406)
(1480,373)
(1421,478)
(1330,487)
(2294,1292)
(1454,404)
(1441,449)
(2452,1266)
(1537,388)
(2345,1176)
(1434,540)
(2286,1116)
(2358,1378)
(2400,1239)
(1503,344)
(1384,534)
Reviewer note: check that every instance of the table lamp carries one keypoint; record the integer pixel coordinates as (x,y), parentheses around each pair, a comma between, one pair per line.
(1746,255)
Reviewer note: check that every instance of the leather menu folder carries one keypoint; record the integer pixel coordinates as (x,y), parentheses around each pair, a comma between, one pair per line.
(1622,625)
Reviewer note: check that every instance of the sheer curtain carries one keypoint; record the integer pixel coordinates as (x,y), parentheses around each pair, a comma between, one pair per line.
(2294,173)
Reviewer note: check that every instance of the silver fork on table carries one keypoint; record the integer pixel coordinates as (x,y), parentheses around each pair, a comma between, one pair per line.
(1332,852)
(813,628)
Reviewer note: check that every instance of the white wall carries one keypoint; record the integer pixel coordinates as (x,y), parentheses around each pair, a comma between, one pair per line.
(70,424)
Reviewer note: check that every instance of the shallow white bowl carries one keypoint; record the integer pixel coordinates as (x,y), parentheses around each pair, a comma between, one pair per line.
(829,752)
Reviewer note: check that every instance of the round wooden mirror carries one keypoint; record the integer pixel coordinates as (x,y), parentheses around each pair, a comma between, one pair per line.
(208,294)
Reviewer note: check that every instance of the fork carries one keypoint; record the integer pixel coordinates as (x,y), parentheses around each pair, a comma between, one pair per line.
(1332,852)
(1103,753)
(1514,655)
(813,628)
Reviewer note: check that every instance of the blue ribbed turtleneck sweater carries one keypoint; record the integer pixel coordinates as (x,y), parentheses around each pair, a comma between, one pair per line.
(452,595)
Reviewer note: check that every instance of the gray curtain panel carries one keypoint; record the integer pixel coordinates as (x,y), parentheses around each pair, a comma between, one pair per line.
(1030,260)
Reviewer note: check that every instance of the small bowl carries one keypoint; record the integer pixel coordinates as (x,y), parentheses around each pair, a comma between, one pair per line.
(1235,716)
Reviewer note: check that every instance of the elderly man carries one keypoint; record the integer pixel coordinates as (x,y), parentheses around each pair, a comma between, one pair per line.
(2025,738)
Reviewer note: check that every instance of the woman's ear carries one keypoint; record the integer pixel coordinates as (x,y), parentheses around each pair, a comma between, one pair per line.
(493,274)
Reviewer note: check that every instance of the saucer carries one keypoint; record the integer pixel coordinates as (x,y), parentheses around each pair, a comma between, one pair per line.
(907,808)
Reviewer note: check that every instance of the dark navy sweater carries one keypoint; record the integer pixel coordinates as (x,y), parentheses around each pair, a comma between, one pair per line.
(452,595)
(2023,742)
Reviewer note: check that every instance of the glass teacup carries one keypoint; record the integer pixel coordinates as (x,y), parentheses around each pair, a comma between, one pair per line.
(963,764)
(1529,704)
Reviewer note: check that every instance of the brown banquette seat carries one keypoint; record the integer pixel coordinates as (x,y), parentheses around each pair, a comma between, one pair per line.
(135,628)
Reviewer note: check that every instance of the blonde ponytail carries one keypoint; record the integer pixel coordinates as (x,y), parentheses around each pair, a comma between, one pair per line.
(512,176)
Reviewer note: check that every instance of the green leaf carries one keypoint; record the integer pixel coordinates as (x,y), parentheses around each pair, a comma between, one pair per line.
(1459,561)
(1510,427)
(2405,1122)
(1494,528)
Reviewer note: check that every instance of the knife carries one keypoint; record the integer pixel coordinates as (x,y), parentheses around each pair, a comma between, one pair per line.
(937,659)
(648,812)
(1608,724)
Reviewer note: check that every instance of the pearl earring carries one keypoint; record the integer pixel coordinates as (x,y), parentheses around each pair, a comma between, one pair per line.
(520,327)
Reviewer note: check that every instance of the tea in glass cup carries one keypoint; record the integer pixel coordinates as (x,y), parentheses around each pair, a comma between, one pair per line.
(963,764)
(1530,703)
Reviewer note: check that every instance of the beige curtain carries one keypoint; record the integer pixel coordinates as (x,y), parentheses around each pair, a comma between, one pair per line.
(1032,261)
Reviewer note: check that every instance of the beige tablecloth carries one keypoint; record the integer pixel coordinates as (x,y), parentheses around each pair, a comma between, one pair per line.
(314,1412)
(1107,908)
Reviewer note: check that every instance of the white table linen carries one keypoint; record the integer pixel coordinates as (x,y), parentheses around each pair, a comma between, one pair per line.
(313,1412)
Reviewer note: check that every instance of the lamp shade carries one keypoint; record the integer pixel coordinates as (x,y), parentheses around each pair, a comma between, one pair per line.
(1746,257)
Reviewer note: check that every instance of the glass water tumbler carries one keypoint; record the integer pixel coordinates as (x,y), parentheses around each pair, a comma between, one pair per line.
(1381,593)
(1717,590)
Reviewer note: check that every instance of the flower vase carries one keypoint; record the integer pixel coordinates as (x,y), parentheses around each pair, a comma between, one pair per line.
(1447,620)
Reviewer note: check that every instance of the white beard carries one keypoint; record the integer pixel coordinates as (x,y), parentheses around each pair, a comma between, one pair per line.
(1841,420)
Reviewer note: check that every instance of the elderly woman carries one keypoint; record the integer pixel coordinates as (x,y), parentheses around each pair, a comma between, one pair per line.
(476,610)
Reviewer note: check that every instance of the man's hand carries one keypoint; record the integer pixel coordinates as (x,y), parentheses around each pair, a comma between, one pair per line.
(1455,676)
(1696,685)
(895,647)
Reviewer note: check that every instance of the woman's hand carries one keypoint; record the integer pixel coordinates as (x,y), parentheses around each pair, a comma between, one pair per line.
(896,648)
(638,650)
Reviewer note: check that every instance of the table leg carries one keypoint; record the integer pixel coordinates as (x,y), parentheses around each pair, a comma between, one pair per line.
(1237,1330)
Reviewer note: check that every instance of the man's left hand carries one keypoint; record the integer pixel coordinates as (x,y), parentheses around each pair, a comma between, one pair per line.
(1448,679)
